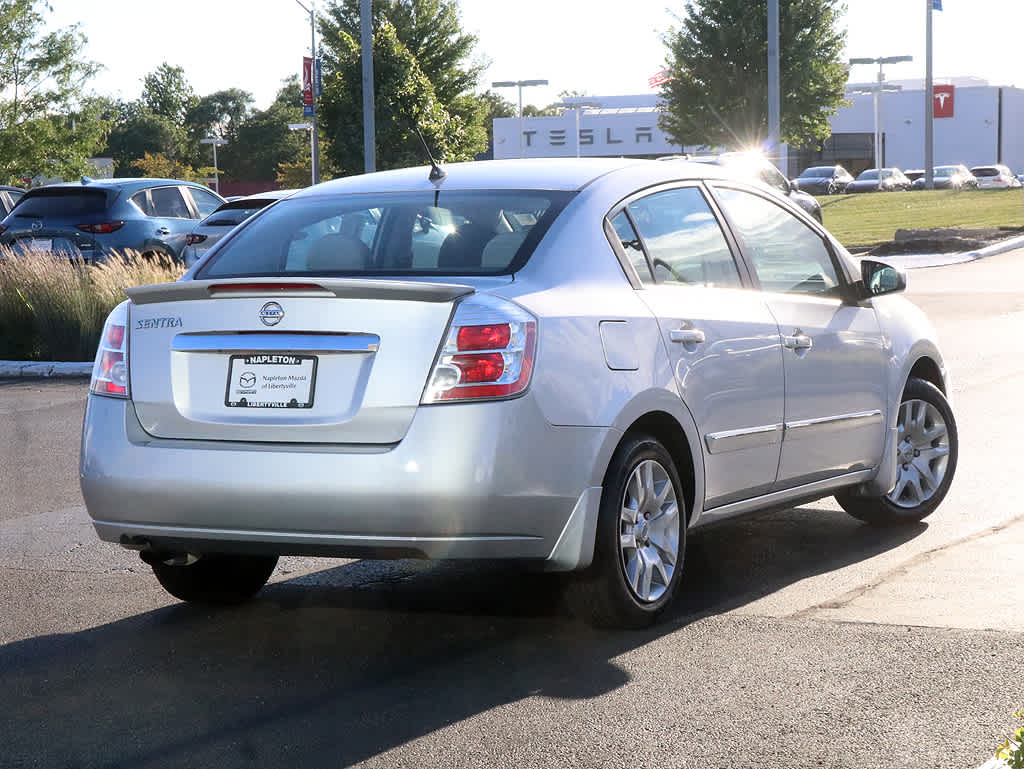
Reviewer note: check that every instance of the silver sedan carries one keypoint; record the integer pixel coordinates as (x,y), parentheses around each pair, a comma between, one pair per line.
(571,363)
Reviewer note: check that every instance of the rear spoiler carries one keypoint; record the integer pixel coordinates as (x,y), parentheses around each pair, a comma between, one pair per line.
(343,288)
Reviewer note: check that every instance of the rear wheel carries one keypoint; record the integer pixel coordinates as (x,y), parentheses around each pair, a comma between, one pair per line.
(927,455)
(640,543)
(215,579)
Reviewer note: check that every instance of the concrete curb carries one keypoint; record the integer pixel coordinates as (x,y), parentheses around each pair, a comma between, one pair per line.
(44,370)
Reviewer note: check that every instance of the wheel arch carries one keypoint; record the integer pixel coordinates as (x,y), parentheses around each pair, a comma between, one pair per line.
(928,369)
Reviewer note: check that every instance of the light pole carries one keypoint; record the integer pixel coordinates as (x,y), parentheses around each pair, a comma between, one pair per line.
(877,90)
(312,45)
(774,100)
(216,171)
(305,127)
(520,84)
(577,107)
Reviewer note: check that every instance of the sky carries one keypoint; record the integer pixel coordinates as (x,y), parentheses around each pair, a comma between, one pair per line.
(580,45)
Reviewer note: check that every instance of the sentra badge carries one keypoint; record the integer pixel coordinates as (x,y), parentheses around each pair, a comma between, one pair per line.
(143,323)
(271,314)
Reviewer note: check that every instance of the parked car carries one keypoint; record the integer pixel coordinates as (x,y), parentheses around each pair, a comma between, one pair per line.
(599,356)
(996,177)
(879,180)
(955,177)
(223,220)
(96,218)
(755,166)
(824,180)
(914,175)
(8,197)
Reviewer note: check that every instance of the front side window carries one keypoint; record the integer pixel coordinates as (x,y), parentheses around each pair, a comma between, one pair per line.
(476,232)
(786,254)
(684,240)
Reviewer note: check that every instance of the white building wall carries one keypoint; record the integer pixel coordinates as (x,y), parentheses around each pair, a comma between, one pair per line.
(602,134)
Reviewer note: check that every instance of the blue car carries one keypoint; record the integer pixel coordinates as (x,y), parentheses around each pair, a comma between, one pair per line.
(8,197)
(95,218)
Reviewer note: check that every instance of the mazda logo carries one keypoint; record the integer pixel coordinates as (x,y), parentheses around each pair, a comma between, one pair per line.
(248,379)
(36,226)
(271,314)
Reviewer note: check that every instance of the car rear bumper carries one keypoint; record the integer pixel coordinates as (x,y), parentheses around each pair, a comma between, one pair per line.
(478,480)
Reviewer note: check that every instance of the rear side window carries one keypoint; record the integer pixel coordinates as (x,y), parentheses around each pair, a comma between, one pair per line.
(985,171)
(631,245)
(168,203)
(62,201)
(684,239)
(230,217)
(477,232)
(206,202)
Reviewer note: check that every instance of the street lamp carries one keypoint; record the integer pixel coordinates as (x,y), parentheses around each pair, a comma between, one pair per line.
(879,87)
(216,143)
(315,140)
(305,127)
(520,84)
(577,107)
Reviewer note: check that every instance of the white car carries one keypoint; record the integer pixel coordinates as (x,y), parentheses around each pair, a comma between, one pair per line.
(225,218)
(997,177)
(565,362)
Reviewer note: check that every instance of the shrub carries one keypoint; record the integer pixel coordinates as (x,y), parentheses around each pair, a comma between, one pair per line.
(1011,752)
(52,308)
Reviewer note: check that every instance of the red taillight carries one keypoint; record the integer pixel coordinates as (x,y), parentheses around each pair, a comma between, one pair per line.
(506,336)
(484,337)
(110,372)
(101,228)
(192,238)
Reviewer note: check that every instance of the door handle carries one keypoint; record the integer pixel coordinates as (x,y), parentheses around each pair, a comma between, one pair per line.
(798,341)
(163,231)
(687,335)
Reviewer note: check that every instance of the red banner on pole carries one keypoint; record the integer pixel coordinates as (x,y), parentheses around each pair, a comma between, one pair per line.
(307,80)
(943,95)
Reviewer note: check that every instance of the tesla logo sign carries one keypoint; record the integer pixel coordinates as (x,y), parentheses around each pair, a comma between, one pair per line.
(943,101)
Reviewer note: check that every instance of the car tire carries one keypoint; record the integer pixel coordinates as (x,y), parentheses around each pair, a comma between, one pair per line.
(216,579)
(637,563)
(928,452)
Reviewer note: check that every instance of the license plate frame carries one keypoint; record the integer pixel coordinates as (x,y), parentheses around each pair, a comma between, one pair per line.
(271,374)
(40,244)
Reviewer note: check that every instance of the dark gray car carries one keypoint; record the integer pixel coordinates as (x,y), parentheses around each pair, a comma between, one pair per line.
(94,219)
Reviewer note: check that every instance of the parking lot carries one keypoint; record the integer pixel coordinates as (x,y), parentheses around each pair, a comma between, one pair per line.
(802,639)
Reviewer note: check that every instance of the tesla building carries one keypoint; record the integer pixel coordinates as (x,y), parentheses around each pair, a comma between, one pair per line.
(975,124)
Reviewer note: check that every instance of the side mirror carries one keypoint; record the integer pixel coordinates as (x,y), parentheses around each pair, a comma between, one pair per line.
(794,185)
(880,278)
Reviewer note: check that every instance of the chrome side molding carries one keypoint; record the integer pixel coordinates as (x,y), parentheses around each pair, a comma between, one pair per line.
(766,435)
(747,438)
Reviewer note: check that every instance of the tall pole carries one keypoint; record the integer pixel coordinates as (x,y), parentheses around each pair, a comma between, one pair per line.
(879,160)
(774,107)
(369,127)
(216,173)
(315,141)
(929,107)
(520,119)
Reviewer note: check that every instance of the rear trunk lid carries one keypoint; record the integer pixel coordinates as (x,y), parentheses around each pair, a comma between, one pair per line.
(320,360)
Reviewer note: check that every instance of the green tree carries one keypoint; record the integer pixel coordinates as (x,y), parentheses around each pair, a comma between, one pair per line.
(140,131)
(159,166)
(495,106)
(220,114)
(264,140)
(422,76)
(166,92)
(718,58)
(47,126)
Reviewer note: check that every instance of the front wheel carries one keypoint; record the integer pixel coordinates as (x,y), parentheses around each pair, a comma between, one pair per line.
(640,543)
(927,455)
(215,579)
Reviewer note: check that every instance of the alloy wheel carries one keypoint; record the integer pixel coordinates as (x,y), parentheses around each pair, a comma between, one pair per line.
(649,531)
(922,453)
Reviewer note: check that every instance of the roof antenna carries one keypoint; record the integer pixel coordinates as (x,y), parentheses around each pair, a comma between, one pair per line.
(436,172)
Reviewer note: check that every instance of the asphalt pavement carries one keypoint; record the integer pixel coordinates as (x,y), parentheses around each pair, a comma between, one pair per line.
(803,638)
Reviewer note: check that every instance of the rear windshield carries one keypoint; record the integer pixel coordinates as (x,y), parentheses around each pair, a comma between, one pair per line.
(985,171)
(479,232)
(229,217)
(817,173)
(946,170)
(61,202)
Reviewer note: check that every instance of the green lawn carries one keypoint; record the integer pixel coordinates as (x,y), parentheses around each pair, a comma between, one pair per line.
(873,218)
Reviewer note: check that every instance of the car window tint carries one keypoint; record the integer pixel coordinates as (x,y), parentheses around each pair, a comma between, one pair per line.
(205,201)
(786,254)
(771,176)
(631,245)
(684,239)
(168,203)
(141,199)
(5,203)
(62,202)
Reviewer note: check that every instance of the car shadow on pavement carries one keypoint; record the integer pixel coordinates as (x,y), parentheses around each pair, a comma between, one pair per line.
(340,666)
